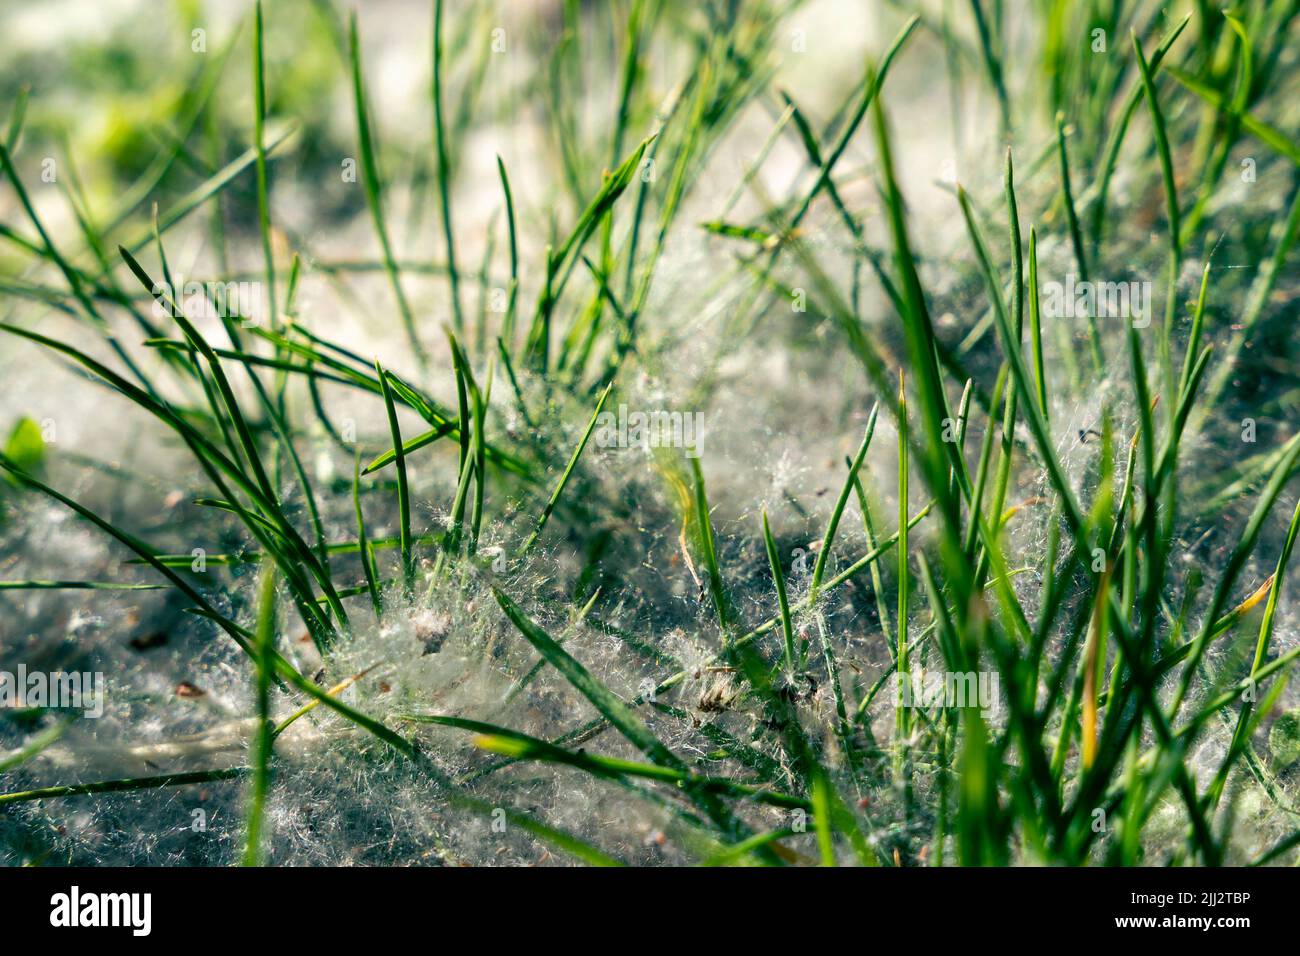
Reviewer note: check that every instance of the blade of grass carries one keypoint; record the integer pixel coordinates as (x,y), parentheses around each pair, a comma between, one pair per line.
(614,710)
(778,578)
(363,545)
(1076,239)
(444,171)
(76,585)
(508,322)
(403,491)
(374,193)
(263,740)
(828,539)
(568,471)
(259,141)
(708,553)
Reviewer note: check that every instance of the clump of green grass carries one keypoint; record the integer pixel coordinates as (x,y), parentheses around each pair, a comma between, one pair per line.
(548,615)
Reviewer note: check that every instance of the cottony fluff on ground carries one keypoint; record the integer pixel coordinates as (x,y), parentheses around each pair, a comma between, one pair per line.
(783,401)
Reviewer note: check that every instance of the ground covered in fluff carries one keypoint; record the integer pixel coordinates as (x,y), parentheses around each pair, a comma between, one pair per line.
(641,277)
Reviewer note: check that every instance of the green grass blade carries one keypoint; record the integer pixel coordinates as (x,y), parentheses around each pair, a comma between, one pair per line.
(374,192)
(403,491)
(778,578)
(444,170)
(508,322)
(708,552)
(568,471)
(613,709)
(259,140)
(363,545)
(1076,239)
(262,740)
(76,585)
(828,539)
(1270,136)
